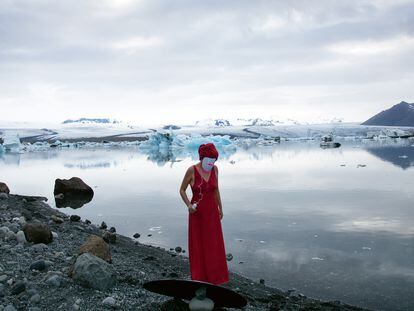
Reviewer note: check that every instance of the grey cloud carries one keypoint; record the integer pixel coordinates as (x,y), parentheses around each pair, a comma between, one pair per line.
(200,47)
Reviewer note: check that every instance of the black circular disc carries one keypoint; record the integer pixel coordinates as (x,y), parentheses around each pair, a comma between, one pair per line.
(185,289)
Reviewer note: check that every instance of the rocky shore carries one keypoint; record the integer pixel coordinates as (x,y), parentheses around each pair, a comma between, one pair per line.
(68,266)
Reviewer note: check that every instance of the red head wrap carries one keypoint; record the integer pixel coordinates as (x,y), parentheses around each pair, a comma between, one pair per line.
(207,150)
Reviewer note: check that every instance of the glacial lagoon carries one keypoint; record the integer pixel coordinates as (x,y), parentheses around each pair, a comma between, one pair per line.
(334,224)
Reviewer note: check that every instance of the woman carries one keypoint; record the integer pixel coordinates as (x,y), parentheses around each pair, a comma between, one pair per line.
(205,237)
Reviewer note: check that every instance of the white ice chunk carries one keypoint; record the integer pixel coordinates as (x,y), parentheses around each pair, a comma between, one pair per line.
(11,141)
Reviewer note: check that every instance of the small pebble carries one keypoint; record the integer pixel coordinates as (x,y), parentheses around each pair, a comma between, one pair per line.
(54,280)
(39,265)
(21,238)
(56,219)
(35,298)
(137,235)
(109,302)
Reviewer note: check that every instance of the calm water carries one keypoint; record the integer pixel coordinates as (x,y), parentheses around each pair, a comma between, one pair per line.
(296,215)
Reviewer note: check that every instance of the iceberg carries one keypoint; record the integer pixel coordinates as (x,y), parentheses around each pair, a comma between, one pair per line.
(11,141)
(164,147)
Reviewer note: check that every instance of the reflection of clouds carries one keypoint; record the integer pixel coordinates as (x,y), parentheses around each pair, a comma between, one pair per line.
(375,224)
(291,258)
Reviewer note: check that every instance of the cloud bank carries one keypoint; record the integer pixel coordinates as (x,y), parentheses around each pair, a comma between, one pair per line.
(154,62)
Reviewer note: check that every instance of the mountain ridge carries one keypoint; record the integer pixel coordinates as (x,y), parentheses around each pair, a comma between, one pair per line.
(401,114)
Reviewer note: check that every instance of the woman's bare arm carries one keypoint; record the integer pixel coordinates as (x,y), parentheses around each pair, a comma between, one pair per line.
(217,192)
(186,181)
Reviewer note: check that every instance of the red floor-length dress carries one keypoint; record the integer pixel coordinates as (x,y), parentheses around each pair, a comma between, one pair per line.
(206,249)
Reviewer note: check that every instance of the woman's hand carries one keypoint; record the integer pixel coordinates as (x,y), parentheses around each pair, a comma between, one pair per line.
(221,213)
(191,210)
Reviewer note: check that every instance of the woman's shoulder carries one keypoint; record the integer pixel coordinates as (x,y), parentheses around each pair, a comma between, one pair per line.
(191,169)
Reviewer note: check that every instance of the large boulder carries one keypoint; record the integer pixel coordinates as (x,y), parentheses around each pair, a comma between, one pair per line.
(37,233)
(4,188)
(73,186)
(93,272)
(95,245)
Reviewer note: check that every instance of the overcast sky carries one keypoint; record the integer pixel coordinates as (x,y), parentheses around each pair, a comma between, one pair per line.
(154,62)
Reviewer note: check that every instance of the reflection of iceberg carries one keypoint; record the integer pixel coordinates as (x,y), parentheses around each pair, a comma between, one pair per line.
(87,165)
(165,147)
(10,158)
(402,156)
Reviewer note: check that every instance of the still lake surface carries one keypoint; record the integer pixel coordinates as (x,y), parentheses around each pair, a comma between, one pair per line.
(296,215)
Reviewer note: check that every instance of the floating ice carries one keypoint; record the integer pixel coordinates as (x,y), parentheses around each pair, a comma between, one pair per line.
(317,258)
(155,228)
(11,141)
(164,147)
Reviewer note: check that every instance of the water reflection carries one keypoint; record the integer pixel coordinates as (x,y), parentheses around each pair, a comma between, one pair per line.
(72,200)
(294,214)
(401,156)
(91,165)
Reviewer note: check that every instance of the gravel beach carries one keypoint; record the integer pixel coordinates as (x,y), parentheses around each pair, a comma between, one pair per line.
(47,276)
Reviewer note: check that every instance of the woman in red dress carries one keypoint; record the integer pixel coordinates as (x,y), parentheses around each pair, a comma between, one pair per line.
(206,249)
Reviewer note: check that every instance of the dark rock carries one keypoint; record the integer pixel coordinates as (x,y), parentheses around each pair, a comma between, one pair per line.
(178,249)
(75,185)
(109,237)
(96,246)
(39,265)
(18,288)
(150,258)
(149,235)
(37,233)
(137,235)
(88,222)
(4,188)
(112,229)
(103,226)
(75,218)
(229,257)
(262,281)
(173,275)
